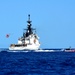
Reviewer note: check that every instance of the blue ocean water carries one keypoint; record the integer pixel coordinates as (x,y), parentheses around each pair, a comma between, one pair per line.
(37,63)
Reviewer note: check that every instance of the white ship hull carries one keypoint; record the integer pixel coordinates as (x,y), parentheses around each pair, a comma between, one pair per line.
(29,47)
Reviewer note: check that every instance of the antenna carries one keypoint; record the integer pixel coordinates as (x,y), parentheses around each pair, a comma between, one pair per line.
(29,16)
(29,22)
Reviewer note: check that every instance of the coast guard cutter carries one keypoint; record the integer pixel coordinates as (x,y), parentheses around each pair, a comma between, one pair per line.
(29,40)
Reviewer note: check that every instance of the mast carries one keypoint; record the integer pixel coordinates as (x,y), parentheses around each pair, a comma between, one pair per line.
(29,29)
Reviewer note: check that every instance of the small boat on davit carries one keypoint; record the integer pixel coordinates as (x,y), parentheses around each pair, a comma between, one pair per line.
(29,40)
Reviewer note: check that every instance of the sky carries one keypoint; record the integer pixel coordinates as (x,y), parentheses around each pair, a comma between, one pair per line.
(54,21)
